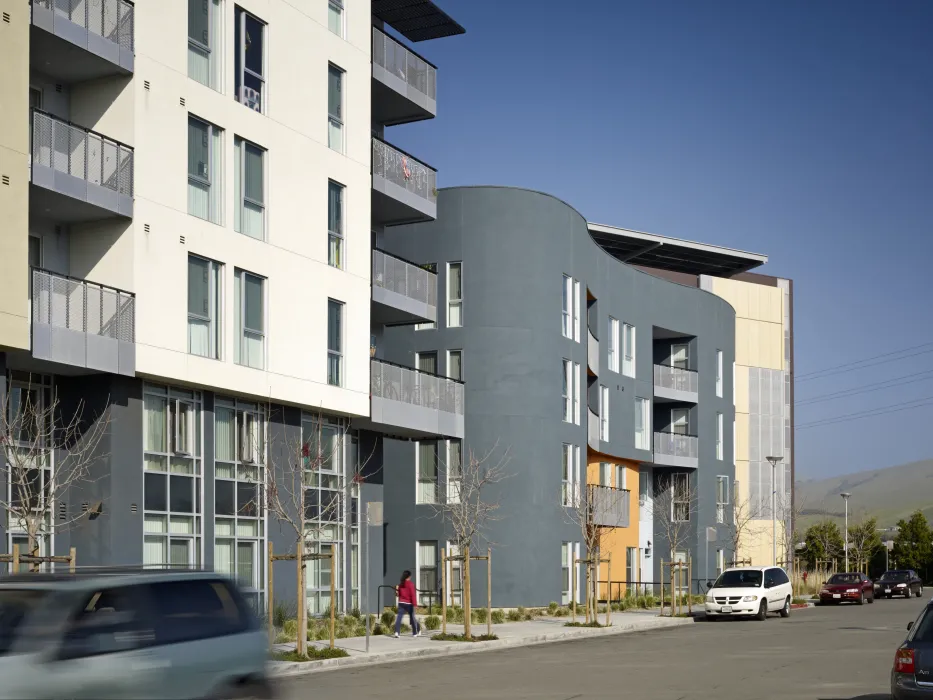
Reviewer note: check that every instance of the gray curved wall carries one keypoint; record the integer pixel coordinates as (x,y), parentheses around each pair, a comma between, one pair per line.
(515,245)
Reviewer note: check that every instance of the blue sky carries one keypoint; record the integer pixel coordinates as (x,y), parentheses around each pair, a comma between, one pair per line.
(798,129)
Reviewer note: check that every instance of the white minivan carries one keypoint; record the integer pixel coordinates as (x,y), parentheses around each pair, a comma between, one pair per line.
(749,591)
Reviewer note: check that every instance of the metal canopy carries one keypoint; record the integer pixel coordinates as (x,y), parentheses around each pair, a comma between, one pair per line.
(674,254)
(416,20)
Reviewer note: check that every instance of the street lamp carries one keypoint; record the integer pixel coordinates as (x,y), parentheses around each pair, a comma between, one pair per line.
(845,497)
(774,462)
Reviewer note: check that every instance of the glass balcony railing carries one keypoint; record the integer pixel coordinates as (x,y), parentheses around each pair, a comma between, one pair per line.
(400,169)
(404,64)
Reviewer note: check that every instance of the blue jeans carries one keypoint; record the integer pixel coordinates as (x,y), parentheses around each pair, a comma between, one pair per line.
(406,609)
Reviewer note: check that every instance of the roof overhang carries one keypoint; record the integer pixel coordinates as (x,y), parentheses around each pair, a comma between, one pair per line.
(674,254)
(416,20)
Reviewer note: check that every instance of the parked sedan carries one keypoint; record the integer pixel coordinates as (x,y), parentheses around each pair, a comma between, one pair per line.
(900,582)
(912,675)
(851,588)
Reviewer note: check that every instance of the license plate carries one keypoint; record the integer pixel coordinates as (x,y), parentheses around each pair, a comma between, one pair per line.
(726,608)
(837,595)
(887,590)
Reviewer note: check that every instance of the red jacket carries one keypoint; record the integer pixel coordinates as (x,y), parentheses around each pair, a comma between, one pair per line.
(407,593)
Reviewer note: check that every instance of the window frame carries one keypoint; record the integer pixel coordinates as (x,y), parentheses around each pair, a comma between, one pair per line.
(722,497)
(212,53)
(212,180)
(628,351)
(343,17)
(215,304)
(452,301)
(241,144)
(613,349)
(603,413)
(419,481)
(567,307)
(420,565)
(680,482)
(335,236)
(453,493)
(644,412)
(720,447)
(459,354)
(243,330)
(337,119)
(576,393)
(337,354)
(576,311)
(240,48)
(567,390)
(719,377)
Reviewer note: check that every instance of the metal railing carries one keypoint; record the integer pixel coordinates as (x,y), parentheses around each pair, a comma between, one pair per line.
(609,507)
(414,387)
(592,351)
(82,153)
(405,278)
(592,428)
(676,445)
(111,19)
(404,64)
(79,305)
(401,169)
(676,378)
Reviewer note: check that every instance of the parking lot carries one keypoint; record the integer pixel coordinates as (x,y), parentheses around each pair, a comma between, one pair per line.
(824,653)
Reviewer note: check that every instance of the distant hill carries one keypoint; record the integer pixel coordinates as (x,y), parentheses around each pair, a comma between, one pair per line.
(888,494)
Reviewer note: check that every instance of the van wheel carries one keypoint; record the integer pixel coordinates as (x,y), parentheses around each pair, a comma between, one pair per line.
(785,611)
(762,611)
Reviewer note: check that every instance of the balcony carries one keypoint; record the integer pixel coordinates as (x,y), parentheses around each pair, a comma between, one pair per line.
(592,353)
(609,507)
(79,174)
(676,450)
(83,324)
(675,384)
(404,84)
(402,291)
(404,189)
(78,40)
(592,429)
(411,404)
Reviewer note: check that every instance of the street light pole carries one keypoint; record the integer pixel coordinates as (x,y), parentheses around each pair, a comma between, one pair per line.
(774,462)
(845,497)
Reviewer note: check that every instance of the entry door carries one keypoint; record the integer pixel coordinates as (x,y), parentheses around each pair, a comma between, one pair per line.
(679,357)
(679,419)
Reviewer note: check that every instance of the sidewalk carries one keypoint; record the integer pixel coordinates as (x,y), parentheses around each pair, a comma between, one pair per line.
(386,649)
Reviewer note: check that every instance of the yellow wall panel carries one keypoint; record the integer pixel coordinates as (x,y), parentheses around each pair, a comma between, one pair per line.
(741,388)
(741,436)
(741,475)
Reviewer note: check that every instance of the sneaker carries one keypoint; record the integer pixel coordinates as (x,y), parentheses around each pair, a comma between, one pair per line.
(418,633)
(395,635)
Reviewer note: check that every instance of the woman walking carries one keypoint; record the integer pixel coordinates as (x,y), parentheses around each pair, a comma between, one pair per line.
(407,600)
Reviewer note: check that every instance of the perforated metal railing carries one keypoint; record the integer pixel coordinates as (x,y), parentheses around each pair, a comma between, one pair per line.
(609,506)
(85,154)
(404,171)
(83,306)
(111,19)
(404,64)
(676,378)
(402,277)
(676,445)
(411,386)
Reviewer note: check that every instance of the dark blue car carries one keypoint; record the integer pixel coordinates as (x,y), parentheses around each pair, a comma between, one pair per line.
(912,675)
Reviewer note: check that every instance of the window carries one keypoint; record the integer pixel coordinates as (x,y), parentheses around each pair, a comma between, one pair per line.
(35,251)
(576,393)
(335,108)
(249,317)
(205,170)
(679,356)
(427,472)
(454,470)
(644,486)
(125,625)
(455,364)
(428,325)
(605,474)
(454,295)
(569,553)
(567,307)
(680,421)
(454,575)
(335,224)
(613,344)
(576,311)
(426,567)
(335,18)
(642,425)
(631,569)
(249,211)
(204,303)
(719,436)
(196,609)
(604,413)
(570,479)
(719,373)
(621,477)
(249,60)
(722,498)
(680,498)
(628,358)
(205,24)
(334,342)
(720,562)
(567,390)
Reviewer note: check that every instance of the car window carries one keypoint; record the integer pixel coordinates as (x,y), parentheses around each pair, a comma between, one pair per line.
(922,631)
(15,606)
(780,577)
(108,621)
(189,610)
(770,580)
(739,578)
(895,576)
(844,578)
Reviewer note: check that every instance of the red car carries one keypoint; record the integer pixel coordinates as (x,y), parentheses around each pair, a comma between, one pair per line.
(852,588)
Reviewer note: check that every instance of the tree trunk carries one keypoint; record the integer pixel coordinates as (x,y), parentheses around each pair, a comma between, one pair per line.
(32,533)
(301,644)
(467,613)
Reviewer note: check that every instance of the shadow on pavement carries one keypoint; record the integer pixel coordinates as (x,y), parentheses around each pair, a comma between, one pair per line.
(872,696)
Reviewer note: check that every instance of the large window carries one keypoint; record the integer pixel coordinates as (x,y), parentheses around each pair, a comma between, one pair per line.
(455,364)
(567,391)
(205,42)
(335,193)
(569,553)
(454,295)
(566,316)
(604,413)
(719,436)
(335,342)
(205,170)
(570,475)
(454,470)
(426,489)
(454,575)
(335,78)
(249,318)
(576,311)
(628,357)
(680,497)
(613,344)
(631,569)
(172,449)
(426,567)
(719,373)
(576,393)
(249,60)
(249,210)
(335,17)
(722,498)
(605,474)
(642,424)
(204,305)
(239,520)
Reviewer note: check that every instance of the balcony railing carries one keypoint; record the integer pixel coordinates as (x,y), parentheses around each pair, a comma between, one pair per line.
(404,64)
(592,351)
(416,388)
(67,148)
(676,378)
(402,277)
(82,306)
(592,429)
(404,171)
(110,19)
(609,507)
(676,445)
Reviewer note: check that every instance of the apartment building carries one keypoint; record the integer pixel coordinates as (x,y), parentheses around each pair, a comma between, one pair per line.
(191,192)
(585,373)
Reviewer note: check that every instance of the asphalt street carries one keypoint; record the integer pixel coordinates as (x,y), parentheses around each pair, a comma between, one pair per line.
(831,653)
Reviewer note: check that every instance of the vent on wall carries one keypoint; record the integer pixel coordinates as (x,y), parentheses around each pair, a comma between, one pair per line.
(62,510)
(6,17)
(146,84)
(85,506)
(181,101)
(146,228)
(181,239)
(132,507)
(6,179)
(58,87)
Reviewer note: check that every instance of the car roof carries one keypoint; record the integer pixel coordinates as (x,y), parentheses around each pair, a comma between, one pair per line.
(102,577)
(752,568)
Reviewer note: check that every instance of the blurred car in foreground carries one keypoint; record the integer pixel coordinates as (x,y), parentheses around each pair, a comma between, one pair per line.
(150,634)
(898,582)
(912,675)
(852,588)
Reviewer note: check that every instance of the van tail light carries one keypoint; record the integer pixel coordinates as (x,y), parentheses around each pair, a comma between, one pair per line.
(904,661)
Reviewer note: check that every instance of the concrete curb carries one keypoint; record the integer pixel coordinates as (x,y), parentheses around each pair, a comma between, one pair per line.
(289,669)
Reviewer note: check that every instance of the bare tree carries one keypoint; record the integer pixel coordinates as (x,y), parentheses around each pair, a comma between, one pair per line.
(309,486)
(864,541)
(788,511)
(740,531)
(33,427)
(673,506)
(470,506)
